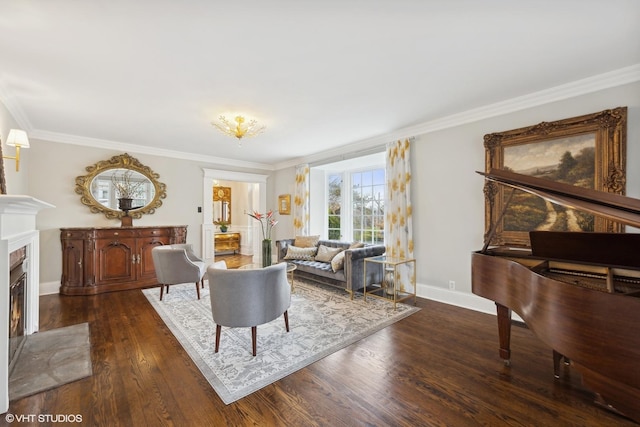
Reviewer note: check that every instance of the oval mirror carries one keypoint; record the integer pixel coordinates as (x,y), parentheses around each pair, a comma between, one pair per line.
(121,177)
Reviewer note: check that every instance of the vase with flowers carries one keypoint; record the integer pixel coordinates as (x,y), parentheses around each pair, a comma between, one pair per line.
(267,222)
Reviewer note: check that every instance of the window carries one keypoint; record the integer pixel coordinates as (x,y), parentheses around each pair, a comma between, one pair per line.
(347,197)
(334,203)
(368,193)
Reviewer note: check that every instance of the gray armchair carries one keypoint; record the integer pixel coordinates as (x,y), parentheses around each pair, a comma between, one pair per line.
(248,298)
(175,264)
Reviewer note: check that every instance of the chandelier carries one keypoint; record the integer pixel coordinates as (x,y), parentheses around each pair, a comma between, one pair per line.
(238,129)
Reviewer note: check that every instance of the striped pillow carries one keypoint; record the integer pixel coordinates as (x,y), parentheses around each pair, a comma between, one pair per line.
(304,254)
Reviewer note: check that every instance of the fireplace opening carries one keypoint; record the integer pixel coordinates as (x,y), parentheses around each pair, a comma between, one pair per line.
(17,306)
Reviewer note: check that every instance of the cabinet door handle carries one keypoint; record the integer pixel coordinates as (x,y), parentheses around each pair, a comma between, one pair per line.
(138,256)
(133,258)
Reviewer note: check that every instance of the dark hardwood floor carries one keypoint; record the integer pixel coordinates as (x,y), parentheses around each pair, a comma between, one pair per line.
(438,367)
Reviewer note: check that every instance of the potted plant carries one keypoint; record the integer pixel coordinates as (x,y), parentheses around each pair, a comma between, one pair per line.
(267,222)
(126,188)
(224,225)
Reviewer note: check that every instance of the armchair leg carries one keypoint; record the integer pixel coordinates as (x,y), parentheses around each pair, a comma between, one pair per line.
(198,289)
(218,330)
(286,320)
(161,291)
(254,333)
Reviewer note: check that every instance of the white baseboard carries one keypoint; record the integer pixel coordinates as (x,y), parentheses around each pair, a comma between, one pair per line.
(460,299)
(49,288)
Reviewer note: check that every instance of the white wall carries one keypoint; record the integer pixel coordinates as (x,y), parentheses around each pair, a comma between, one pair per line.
(448,199)
(283,183)
(53,170)
(449,203)
(16,181)
(447,194)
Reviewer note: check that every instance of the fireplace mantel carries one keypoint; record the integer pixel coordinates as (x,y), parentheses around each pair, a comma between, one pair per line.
(17,230)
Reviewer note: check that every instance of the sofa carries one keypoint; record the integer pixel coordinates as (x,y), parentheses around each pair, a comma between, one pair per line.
(350,276)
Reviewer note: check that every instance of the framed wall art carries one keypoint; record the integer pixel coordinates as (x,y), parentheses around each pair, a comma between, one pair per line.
(586,151)
(284,204)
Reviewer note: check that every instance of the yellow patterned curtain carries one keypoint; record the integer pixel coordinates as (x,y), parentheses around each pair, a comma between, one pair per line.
(398,223)
(301,201)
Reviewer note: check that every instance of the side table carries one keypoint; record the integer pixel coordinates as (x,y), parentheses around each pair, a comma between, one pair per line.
(390,288)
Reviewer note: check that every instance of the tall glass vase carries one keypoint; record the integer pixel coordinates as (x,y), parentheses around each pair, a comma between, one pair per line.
(266,252)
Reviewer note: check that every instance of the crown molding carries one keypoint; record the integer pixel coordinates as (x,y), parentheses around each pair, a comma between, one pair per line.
(140,149)
(580,87)
(14,109)
(557,93)
(234,176)
(573,89)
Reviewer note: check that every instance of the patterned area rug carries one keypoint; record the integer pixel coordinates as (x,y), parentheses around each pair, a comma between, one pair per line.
(322,321)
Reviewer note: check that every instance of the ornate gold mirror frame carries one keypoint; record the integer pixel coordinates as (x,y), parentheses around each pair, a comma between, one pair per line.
(123,161)
(222,211)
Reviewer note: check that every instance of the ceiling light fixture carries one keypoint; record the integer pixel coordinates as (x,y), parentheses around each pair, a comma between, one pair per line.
(17,138)
(238,129)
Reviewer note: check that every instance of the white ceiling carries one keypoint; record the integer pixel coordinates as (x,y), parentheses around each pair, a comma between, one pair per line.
(319,74)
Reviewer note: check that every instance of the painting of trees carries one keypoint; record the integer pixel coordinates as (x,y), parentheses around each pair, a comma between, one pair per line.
(574,164)
(586,151)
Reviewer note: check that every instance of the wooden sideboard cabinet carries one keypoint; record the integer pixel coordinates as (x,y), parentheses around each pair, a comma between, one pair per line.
(97,260)
(224,242)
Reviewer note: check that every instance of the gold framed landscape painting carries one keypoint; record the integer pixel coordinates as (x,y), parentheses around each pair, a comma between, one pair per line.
(587,151)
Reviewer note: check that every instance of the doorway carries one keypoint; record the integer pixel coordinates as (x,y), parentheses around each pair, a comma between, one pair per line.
(256,188)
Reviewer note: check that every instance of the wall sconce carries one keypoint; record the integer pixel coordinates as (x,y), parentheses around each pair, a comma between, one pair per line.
(17,138)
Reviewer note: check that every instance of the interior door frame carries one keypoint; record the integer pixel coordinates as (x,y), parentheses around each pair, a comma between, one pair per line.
(208,228)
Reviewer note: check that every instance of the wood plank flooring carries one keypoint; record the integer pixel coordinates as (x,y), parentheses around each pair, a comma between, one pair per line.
(438,367)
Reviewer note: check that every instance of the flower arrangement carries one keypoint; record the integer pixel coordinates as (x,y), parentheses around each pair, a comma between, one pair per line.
(125,186)
(267,222)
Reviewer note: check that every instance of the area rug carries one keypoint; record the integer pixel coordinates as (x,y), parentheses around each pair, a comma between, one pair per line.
(322,321)
(50,359)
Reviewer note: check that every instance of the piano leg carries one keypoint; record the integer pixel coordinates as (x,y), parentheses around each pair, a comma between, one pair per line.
(556,363)
(557,357)
(504,333)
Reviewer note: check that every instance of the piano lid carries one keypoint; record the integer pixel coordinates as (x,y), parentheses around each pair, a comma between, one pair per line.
(615,207)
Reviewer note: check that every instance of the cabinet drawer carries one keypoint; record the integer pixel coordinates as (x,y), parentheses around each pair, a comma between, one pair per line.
(118,232)
(153,232)
(74,234)
(227,237)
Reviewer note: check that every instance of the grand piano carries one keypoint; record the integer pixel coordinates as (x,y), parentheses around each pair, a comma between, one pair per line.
(579,292)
